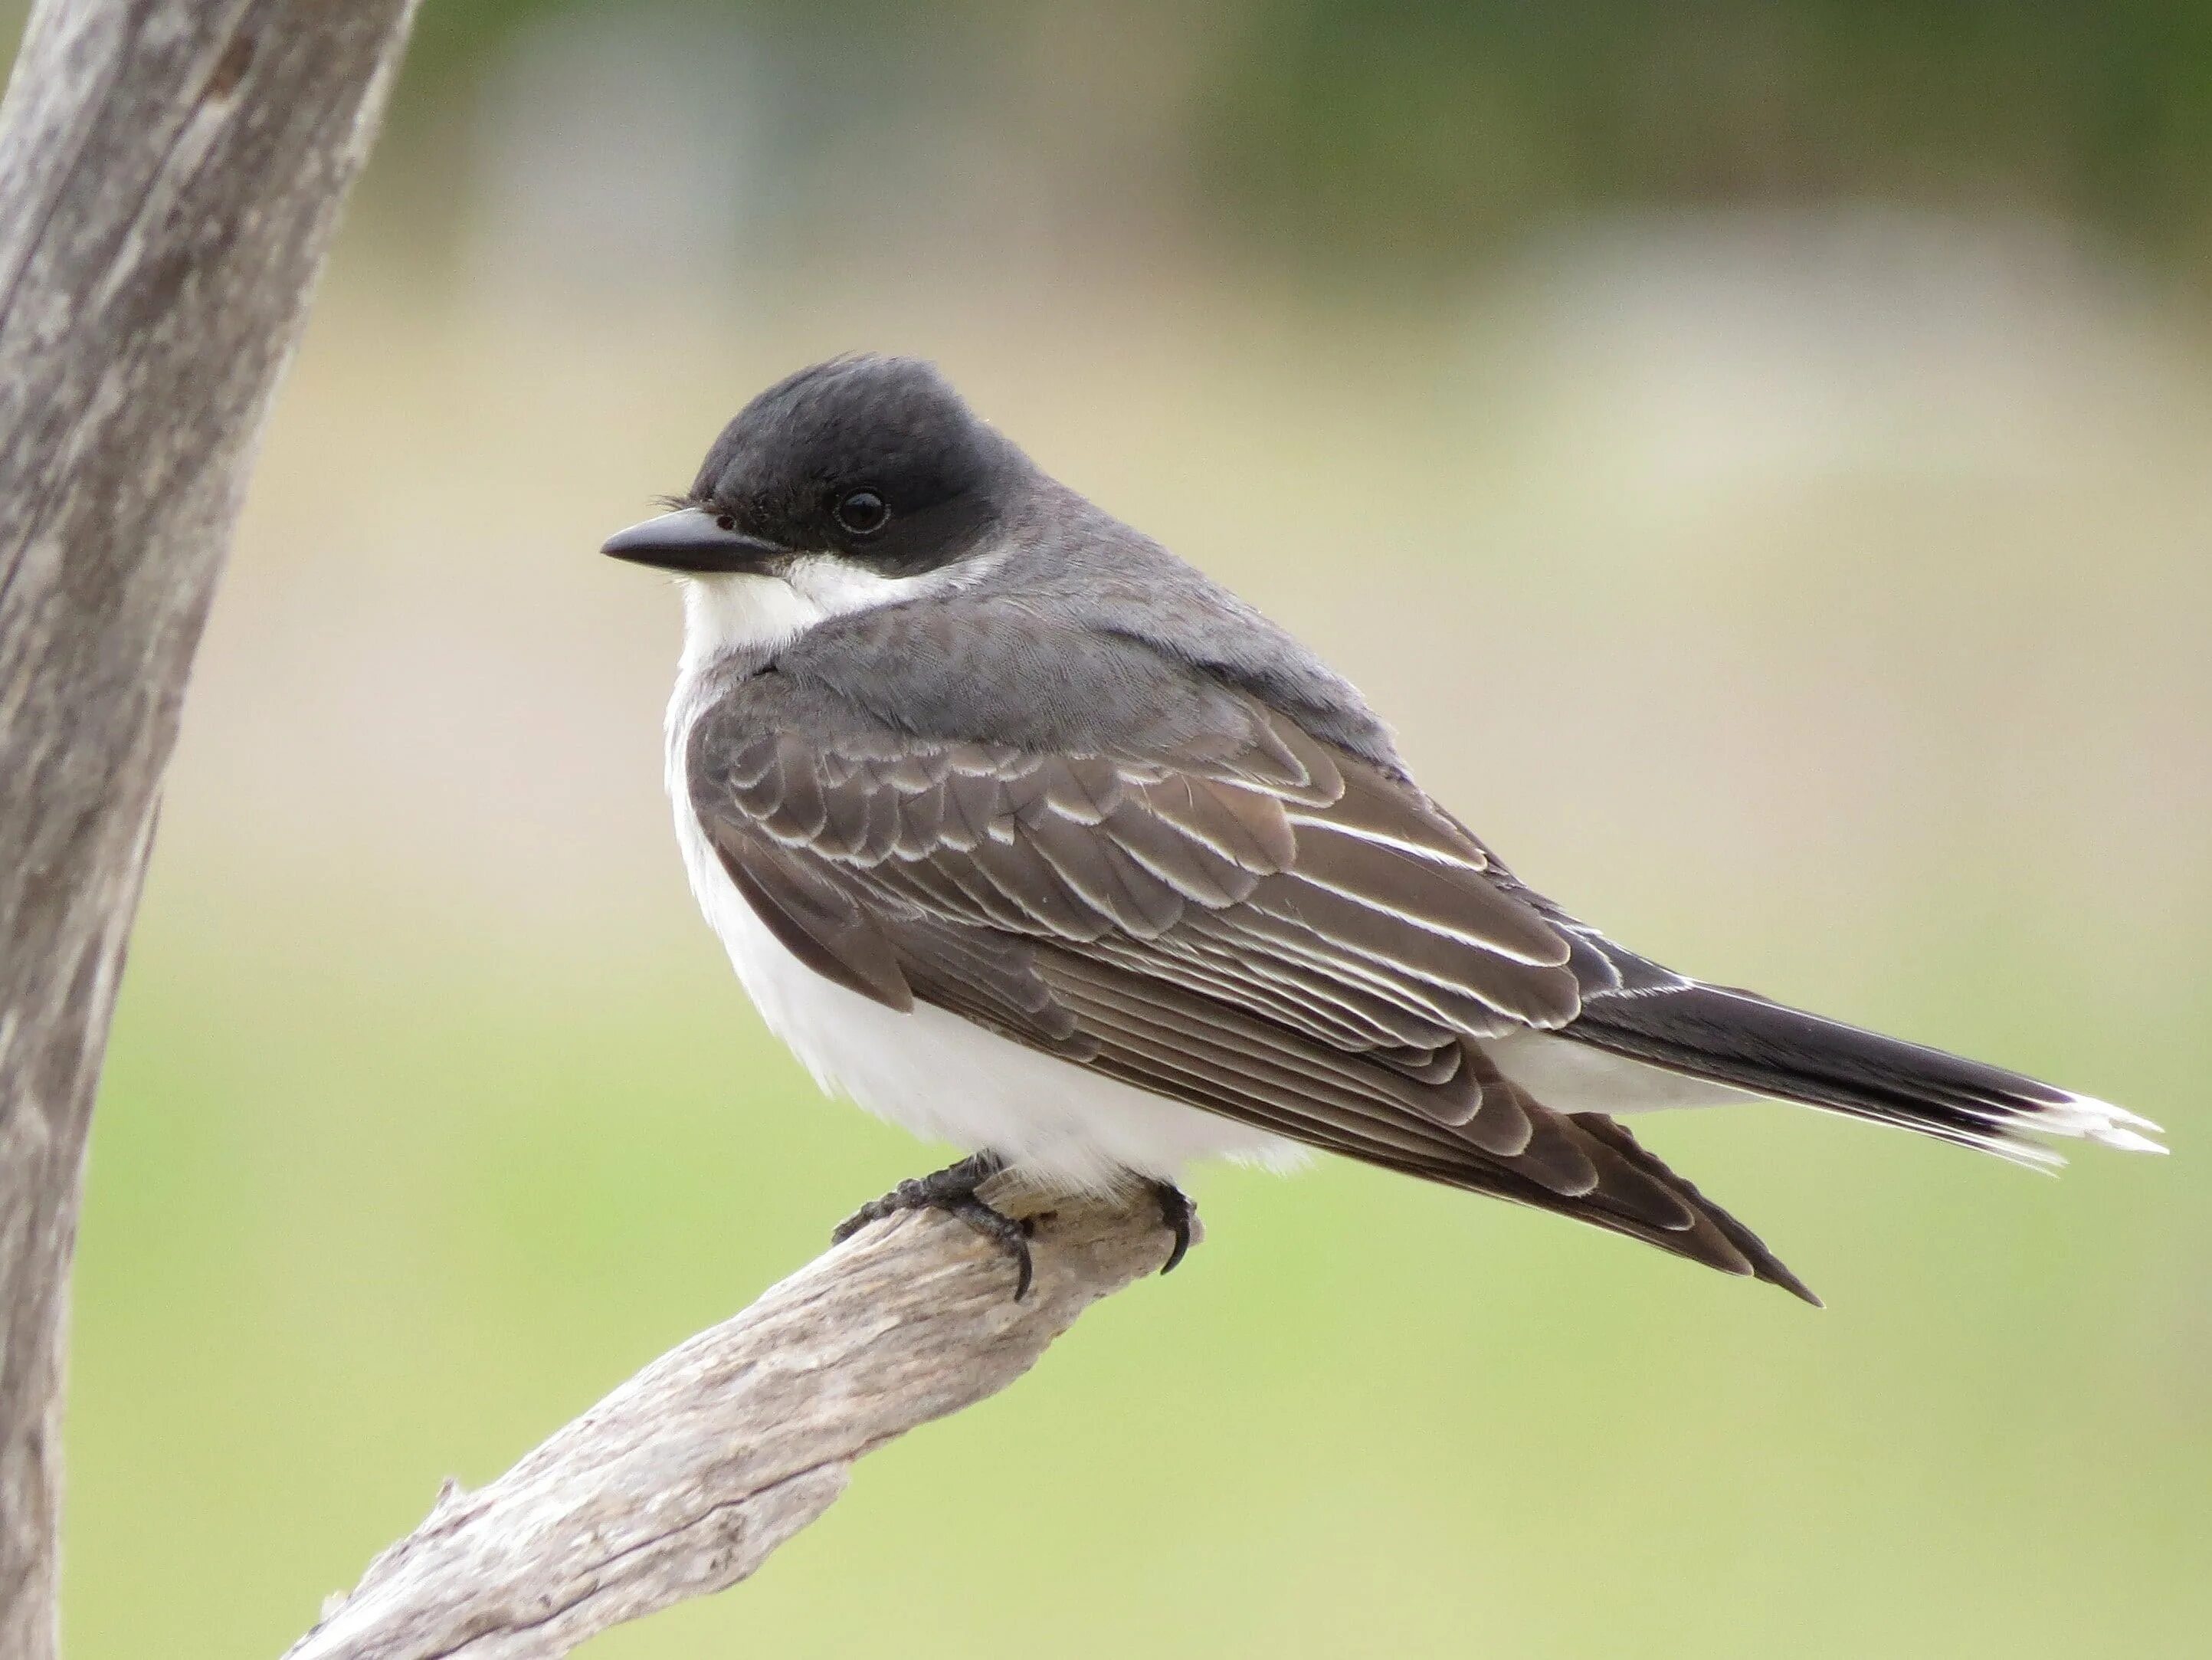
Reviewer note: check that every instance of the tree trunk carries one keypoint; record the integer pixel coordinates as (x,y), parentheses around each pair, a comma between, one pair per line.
(170,171)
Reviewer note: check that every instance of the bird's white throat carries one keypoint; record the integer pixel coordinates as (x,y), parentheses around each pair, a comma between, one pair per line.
(741,611)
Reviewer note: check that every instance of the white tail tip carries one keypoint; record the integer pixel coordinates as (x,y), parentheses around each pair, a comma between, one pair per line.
(2102,1122)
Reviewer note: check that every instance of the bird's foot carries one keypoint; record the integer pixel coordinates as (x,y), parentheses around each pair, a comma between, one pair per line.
(952,1190)
(1176,1215)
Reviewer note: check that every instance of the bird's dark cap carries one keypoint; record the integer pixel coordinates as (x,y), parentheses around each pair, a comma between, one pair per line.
(886,434)
(859,414)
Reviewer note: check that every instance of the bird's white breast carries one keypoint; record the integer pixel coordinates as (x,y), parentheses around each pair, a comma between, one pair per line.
(926,1070)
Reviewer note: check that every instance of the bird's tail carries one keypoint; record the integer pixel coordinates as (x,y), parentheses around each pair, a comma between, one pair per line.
(1738,1038)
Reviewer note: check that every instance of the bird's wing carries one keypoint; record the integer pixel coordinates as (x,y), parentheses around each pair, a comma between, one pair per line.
(1228,913)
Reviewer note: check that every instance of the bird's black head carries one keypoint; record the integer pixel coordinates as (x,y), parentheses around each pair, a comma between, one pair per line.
(874,460)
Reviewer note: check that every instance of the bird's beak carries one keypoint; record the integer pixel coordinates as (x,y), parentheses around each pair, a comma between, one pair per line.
(690,539)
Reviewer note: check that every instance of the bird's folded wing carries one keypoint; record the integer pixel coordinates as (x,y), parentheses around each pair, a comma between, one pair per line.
(1243,919)
(1332,883)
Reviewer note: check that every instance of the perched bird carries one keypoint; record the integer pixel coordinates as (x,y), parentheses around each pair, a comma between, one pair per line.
(1028,837)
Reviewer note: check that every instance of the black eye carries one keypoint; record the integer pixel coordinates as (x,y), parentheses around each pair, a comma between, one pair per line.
(864,513)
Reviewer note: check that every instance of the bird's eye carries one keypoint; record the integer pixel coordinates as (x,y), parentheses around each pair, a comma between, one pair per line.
(724,522)
(863,513)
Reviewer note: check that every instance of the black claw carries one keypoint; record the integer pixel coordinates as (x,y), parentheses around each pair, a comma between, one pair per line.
(1010,1236)
(1175,1213)
(952,1190)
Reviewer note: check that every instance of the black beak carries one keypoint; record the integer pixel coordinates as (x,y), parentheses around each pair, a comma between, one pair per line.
(690,539)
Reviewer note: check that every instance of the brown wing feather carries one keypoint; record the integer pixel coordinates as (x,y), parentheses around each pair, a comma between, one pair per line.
(1584,1165)
(1250,923)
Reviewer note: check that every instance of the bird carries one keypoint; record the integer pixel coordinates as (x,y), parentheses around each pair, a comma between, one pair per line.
(1026,835)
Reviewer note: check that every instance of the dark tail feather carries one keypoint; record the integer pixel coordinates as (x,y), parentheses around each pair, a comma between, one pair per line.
(1738,1038)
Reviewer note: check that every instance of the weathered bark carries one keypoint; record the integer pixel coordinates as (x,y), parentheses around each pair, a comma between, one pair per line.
(170,171)
(684,1478)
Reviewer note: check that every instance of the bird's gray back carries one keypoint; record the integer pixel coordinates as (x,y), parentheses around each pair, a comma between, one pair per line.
(1072,638)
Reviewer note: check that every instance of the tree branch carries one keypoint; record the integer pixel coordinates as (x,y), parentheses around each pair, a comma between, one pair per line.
(170,171)
(684,1479)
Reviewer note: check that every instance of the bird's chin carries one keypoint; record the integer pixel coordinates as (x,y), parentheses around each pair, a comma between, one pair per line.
(726,612)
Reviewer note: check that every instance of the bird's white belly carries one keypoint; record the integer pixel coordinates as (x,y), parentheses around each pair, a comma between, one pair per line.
(942,1076)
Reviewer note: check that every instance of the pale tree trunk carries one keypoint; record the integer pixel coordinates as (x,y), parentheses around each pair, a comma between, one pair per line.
(170,171)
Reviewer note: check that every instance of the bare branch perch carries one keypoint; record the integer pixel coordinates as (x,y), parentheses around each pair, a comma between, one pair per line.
(684,1479)
(170,171)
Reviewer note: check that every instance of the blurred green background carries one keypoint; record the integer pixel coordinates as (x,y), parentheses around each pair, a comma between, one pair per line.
(1758,454)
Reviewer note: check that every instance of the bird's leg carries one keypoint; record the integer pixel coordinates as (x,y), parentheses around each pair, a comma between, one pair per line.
(1177,1213)
(952,1190)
